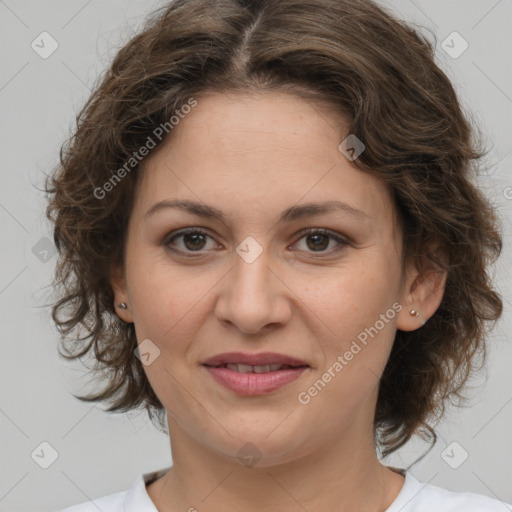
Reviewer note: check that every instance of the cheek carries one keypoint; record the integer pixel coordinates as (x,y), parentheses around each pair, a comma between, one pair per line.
(352,365)
(161,293)
(352,296)
(359,311)
(169,306)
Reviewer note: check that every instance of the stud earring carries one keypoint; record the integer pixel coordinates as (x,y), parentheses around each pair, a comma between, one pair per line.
(415,313)
(123,305)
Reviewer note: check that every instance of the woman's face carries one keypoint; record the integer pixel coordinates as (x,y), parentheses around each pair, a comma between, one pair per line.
(255,282)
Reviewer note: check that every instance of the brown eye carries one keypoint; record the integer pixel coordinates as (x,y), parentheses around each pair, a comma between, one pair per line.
(193,240)
(318,240)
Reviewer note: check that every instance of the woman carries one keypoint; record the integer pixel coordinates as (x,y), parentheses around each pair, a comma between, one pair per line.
(267,225)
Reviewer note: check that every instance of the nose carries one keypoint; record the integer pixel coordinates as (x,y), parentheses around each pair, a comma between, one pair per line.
(254,297)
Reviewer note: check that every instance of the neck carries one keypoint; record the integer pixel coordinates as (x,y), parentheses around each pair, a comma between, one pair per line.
(342,476)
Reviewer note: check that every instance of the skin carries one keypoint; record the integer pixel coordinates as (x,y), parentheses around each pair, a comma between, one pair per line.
(253,156)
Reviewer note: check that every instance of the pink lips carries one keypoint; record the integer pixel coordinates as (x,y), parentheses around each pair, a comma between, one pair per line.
(254,383)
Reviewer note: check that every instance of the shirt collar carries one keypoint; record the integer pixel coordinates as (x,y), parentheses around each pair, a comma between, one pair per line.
(137,498)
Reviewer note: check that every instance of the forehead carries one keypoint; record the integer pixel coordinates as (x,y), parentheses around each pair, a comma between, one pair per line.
(239,151)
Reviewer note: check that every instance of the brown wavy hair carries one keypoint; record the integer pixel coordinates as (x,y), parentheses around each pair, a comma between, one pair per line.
(358,59)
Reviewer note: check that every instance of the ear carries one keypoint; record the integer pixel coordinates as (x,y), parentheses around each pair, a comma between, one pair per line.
(422,291)
(118,283)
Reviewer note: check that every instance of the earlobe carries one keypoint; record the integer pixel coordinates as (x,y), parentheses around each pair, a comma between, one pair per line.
(121,302)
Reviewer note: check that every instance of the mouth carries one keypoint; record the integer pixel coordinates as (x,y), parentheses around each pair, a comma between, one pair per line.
(262,362)
(245,368)
(254,374)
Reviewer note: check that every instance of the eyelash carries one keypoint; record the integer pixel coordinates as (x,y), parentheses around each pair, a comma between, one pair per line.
(304,233)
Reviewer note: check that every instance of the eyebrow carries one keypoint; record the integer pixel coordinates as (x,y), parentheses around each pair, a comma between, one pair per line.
(290,214)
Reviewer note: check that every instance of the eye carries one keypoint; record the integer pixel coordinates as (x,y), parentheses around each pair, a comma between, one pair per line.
(194,240)
(317,240)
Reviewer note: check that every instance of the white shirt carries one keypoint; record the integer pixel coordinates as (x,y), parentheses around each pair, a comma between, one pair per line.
(414,497)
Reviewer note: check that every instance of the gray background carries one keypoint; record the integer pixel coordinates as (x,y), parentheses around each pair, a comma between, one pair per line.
(100,453)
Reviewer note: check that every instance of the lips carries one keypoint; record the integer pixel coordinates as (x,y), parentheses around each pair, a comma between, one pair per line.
(254,374)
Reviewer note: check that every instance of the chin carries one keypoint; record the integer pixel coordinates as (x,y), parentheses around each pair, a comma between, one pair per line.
(260,450)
